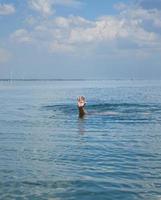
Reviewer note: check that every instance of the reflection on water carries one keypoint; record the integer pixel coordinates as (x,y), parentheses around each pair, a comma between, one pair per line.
(48,152)
(81,125)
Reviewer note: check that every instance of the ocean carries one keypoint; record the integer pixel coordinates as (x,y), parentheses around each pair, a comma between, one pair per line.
(48,153)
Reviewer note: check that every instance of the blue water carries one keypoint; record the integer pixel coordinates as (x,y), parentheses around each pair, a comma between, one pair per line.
(47,152)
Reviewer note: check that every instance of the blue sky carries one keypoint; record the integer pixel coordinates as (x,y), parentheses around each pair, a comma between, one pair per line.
(80,39)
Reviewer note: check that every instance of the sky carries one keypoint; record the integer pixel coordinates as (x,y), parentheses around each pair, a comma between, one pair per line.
(80,39)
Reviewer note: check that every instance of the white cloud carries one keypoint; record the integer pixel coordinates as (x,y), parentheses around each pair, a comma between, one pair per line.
(126,30)
(72,21)
(73,3)
(120,6)
(4,55)
(104,29)
(42,6)
(47,7)
(21,36)
(6,9)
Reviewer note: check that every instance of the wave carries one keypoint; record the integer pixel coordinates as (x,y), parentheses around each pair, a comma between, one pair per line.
(117,111)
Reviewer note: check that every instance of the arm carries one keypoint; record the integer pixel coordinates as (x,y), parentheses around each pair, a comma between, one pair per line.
(81,104)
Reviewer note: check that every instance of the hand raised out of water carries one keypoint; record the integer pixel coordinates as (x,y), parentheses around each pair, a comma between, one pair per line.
(81,101)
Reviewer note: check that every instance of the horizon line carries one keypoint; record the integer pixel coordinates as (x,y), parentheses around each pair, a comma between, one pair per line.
(71,79)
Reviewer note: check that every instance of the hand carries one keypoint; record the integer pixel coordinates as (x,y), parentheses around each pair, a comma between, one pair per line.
(81,101)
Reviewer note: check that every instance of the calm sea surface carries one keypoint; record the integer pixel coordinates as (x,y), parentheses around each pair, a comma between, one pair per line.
(48,153)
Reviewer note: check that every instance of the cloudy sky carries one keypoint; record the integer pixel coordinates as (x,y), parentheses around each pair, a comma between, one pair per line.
(80,39)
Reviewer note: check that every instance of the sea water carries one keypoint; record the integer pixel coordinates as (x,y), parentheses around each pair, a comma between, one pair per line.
(48,153)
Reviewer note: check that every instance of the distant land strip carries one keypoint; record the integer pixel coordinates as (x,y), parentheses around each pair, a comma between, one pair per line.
(59,79)
(5,79)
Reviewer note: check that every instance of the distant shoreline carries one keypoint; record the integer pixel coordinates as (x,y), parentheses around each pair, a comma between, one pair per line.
(117,79)
(44,79)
